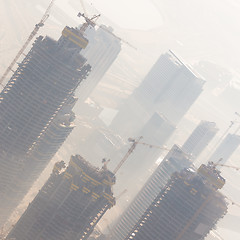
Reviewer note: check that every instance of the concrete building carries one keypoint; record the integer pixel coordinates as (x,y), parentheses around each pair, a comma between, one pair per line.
(175,160)
(170,88)
(31,101)
(38,157)
(225,150)
(69,205)
(102,50)
(187,208)
(199,139)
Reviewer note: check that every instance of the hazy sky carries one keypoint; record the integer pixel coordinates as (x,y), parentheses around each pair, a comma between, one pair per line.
(134,14)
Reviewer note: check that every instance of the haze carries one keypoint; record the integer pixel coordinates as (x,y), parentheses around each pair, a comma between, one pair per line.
(204,33)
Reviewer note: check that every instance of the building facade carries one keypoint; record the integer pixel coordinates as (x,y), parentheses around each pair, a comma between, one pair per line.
(199,139)
(38,157)
(69,205)
(226,148)
(31,101)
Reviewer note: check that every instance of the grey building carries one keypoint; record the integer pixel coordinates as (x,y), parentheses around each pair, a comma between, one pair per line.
(200,138)
(170,88)
(175,160)
(227,147)
(30,106)
(157,129)
(187,208)
(69,205)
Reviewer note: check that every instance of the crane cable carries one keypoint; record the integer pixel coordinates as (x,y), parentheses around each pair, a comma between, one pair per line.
(31,36)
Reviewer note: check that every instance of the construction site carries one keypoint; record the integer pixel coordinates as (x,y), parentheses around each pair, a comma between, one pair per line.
(168,196)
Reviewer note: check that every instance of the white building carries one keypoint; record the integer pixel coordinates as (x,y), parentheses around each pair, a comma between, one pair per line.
(102,50)
(200,138)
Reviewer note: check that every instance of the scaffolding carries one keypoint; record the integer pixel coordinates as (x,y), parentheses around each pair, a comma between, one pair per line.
(186,208)
(69,205)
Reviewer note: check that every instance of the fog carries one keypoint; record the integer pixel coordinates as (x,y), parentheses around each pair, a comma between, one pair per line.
(204,34)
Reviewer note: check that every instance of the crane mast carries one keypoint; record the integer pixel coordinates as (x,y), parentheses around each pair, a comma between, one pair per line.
(31,36)
(135,142)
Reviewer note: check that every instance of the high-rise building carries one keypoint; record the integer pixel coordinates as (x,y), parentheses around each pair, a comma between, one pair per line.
(40,87)
(170,87)
(200,138)
(229,144)
(187,208)
(101,51)
(69,205)
(175,160)
(38,157)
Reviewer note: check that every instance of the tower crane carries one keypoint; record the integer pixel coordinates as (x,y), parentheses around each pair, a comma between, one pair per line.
(88,21)
(218,163)
(131,149)
(100,26)
(228,166)
(31,36)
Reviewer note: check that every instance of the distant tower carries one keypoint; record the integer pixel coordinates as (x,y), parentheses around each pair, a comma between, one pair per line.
(175,160)
(200,138)
(170,88)
(29,104)
(156,131)
(229,144)
(101,52)
(187,208)
(69,205)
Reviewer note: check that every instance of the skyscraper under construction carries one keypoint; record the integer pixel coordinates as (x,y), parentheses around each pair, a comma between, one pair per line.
(30,105)
(69,205)
(187,208)
(175,160)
